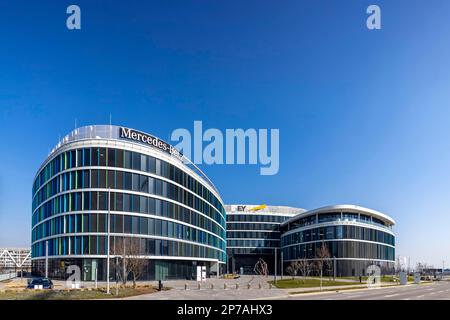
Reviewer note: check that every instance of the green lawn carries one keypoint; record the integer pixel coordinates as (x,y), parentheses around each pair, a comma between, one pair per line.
(73,294)
(308,283)
(383,278)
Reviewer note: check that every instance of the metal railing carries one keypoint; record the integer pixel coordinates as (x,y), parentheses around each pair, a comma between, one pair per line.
(7,276)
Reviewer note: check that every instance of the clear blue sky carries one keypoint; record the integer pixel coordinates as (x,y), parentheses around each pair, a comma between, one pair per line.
(363,115)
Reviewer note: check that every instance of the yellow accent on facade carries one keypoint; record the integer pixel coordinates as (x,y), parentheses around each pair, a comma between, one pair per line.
(263,206)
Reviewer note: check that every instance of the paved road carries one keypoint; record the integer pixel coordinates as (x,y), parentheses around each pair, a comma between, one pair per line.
(434,291)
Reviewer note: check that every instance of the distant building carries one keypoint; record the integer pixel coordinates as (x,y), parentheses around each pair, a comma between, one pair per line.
(15,259)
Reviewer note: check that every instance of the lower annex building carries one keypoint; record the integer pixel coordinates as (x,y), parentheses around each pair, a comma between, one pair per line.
(355,237)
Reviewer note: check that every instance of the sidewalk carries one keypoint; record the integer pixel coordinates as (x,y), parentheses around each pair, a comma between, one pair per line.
(248,289)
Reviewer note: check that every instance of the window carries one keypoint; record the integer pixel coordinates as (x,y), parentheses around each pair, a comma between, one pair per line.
(144,205)
(111,157)
(93,224)
(86,157)
(119,158)
(102,157)
(151,226)
(101,244)
(158,167)
(143,183)
(151,185)
(86,180)
(135,225)
(329,233)
(136,161)
(157,207)
(151,206)
(112,201)
(135,203)
(158,187)
(143,162)
(117,226)
(329,217)
(78,201)
(79,157)
(127,224)
(119,180)
(77,249)
(111,179)
(86,200)
(151,165)
(157,227)
(102,201)
(102,179)
(170,229)
(94,156)
(94,178)
(127,160)
(119,202)
(93,245)
(127,181)
(339,232)
(144,225)
(164,228)
(94,201)
(135,186)
(126,202)
(348,216)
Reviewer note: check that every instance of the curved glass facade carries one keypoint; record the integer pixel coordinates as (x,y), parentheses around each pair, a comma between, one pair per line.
(354,239)
(176,215)
(254,234)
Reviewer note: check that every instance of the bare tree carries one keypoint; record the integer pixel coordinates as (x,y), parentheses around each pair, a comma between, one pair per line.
(330,267)
(292,269)
(322,257)
(304,266)
(261,268)
(132,263)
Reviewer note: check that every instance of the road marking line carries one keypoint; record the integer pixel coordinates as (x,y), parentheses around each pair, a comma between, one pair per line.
(391,295)
(421,296)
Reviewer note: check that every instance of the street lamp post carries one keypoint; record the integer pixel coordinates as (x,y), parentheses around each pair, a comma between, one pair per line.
(107,254)
(334,268)
(275,265)
(46,258)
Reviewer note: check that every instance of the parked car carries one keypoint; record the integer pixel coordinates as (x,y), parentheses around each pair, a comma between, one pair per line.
(41,283)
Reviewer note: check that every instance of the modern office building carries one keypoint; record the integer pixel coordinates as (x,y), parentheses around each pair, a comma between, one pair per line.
(355,237)
(253,233)
(162,208)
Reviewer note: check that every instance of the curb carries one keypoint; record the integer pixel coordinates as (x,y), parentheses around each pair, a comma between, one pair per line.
(338,290)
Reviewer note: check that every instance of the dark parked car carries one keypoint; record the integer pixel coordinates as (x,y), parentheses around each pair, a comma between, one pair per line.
(44,282)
